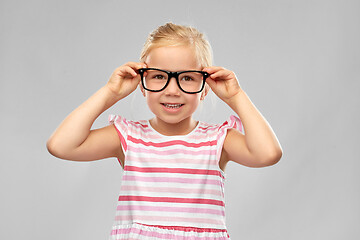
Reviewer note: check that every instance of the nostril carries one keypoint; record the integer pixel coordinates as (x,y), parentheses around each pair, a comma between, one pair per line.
(172,87)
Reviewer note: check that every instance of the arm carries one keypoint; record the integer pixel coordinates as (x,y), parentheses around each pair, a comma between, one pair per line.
(259,146)
(73,139)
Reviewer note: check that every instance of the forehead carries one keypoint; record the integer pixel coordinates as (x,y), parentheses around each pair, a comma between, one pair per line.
(173,58)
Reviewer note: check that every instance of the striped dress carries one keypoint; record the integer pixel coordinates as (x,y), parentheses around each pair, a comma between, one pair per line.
(172,186)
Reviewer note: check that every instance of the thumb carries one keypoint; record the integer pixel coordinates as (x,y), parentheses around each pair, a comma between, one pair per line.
(211,82)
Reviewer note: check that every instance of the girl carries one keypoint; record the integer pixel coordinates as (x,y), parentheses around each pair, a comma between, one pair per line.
(173,180)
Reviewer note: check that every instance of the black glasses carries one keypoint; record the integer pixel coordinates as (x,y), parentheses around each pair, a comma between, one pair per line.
(156,80)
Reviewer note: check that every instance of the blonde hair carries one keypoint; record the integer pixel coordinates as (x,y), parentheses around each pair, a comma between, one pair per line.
(179,35)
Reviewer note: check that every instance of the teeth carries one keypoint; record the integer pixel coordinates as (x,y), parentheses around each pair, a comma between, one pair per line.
(172,105)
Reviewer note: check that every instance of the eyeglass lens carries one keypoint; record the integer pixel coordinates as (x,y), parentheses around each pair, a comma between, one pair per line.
(189,81)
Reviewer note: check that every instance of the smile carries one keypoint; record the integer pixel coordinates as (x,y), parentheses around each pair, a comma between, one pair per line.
(168,105)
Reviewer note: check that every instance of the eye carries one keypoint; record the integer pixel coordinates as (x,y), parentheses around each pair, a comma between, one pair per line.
(159,76)
(187,78)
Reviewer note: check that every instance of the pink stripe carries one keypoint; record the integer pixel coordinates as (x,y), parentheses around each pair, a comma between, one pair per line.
(170,209)
(122,140)
(222,125)
(197,137)
(168,219)
(172,180)
(169,199)
(142,124)
(186,229)
(172,151)
(200,162)
(121,123)
(141,232)
(172,143)
(173,170)
(120,162)
(139,131)
(171,190)
(138,230)
(207,128)
(210,131)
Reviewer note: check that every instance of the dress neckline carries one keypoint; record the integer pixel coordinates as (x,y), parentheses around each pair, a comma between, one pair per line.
(176,136)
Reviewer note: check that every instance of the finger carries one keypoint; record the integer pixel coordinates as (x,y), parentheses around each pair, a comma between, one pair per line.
(221,74)
(127,70)
(136,65)
(211,82)
(212,69)
(141,65)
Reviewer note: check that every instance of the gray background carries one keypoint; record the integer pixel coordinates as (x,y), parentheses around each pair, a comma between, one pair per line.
(297,60)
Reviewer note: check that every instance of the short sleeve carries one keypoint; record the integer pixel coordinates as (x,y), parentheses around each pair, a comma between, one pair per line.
(232,122)
(121,126)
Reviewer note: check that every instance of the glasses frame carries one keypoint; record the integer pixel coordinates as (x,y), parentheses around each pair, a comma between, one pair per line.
(171,75)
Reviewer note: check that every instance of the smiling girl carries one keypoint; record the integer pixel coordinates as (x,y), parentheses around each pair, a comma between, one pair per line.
(173,165)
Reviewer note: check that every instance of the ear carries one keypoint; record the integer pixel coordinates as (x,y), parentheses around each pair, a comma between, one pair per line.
(205,91)
(142,89)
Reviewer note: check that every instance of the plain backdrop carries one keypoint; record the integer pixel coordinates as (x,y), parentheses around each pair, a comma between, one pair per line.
(298,61)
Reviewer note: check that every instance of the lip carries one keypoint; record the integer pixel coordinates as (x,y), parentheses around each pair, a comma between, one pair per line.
(171,103)
(172,110)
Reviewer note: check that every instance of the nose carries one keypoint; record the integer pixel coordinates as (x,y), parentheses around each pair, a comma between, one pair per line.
(172,88)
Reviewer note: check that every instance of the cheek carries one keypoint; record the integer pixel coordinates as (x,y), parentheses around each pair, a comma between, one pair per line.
(194,100)
(151,100)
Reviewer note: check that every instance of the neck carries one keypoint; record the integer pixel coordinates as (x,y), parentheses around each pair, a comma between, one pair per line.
(183,127)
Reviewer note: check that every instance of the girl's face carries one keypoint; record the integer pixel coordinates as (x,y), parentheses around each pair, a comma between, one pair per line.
(165,104)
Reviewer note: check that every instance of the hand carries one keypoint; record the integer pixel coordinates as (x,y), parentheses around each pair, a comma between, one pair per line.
(125,79)
(223,82)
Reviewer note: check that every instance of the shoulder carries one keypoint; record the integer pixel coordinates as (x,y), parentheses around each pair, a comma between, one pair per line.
(231,122)
(221,129)
(120,120)
(207,130)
